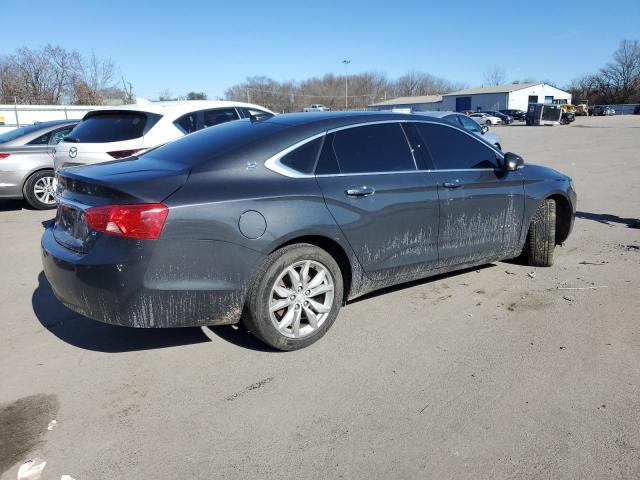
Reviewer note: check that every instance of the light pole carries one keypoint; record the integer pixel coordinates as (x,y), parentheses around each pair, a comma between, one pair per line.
(346,83)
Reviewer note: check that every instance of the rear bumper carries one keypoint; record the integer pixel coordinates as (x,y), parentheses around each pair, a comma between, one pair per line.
(151,284)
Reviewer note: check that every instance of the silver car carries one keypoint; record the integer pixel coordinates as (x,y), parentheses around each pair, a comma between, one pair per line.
(471,126)
(26,162)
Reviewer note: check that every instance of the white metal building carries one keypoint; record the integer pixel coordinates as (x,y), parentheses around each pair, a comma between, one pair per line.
(502,97)
(410,104)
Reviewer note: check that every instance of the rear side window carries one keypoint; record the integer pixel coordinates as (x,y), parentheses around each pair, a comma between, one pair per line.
(41,140)
(259,114)
(452,149)
(58,135)
(187,123)
(468,124)
(218,116)
(303,159)
(110,127)
(373,148)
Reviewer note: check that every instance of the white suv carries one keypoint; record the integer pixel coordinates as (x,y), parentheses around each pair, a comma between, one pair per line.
(118,132)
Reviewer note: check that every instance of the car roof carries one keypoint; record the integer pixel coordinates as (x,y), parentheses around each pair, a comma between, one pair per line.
(437,113)
(51,123)
(330,120)
(178,107)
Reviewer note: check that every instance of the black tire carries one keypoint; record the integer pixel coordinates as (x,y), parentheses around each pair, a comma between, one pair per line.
(541,240)
(31,196)
(257,315)
(488,123)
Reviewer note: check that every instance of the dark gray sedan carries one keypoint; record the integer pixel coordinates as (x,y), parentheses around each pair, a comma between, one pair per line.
(278,222)
(26,161)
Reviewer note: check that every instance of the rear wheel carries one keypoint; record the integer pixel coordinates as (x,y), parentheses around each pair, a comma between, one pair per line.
(541,240)
(488,123)
(39,190)
(295,297)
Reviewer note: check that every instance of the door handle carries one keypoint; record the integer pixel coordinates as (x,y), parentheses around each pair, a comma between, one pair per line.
(359,191)
(455,184)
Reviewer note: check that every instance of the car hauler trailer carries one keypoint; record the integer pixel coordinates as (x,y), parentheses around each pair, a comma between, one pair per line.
(543,114)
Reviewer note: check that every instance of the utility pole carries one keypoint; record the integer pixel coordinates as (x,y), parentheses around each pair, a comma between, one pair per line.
(346,83)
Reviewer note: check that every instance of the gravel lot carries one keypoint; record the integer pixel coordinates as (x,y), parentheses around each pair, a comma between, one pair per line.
(485,374)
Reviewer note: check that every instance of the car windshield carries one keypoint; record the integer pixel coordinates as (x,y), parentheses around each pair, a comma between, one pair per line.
(18,132)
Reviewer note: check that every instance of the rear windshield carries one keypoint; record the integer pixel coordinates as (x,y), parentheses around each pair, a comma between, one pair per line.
(110,127)
(210,142)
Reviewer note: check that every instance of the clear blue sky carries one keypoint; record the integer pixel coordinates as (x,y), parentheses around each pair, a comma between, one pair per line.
(208,46)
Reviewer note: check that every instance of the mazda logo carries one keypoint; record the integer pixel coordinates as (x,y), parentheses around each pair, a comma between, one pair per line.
(73,151)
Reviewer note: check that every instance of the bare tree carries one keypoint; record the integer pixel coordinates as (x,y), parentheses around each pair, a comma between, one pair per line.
(165,95)
(54,75)
(619,80)
(94,76)
(495,76)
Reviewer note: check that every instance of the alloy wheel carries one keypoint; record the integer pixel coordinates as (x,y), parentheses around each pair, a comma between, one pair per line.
(44,190)
(301,298)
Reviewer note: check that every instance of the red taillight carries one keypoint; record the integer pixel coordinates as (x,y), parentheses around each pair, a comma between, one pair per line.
(142,221)
(4,155)
(123,153)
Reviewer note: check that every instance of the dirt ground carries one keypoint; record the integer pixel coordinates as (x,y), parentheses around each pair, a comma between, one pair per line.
(491,373)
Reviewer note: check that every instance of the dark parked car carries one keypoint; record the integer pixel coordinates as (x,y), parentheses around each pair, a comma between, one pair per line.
(567,118)
(516,114)
(506,119)
(280,221)
(26,161)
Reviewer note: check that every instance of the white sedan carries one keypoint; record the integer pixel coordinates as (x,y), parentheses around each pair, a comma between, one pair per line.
(485,119)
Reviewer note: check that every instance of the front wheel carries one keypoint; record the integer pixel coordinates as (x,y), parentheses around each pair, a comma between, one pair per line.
(488,123)
(39,190)
(541,240)
(295,297)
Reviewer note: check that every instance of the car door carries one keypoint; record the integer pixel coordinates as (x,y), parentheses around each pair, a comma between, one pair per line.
(481,204)
(386,207)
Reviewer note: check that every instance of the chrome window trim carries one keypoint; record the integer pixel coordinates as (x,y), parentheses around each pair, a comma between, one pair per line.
(273,163)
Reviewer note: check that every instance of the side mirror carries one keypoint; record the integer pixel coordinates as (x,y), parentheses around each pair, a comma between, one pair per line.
(512,161)
(484,129)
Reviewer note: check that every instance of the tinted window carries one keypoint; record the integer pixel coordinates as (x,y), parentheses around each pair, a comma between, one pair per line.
(327,163)
(218,116)
(110,127)
(187,123)
(453,149)
(41,140)
(373,148)
(205,144)
(59,135)
(303,159)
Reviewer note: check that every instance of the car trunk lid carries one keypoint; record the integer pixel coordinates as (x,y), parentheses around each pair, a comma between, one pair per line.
(130,181)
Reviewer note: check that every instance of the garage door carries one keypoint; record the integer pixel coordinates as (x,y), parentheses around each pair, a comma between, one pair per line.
(463,103)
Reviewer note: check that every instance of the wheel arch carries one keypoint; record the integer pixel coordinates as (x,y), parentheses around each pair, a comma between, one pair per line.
(563,217)
(334,249)
(26,178)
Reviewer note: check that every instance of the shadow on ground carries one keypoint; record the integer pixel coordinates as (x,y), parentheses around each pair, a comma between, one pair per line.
(12,205)
(609,219)
(85,333)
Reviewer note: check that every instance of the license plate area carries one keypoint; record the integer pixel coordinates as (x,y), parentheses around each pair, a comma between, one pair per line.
(70,228)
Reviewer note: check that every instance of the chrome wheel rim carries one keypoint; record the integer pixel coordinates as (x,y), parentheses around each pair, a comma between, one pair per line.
(44,190)
(301,299)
